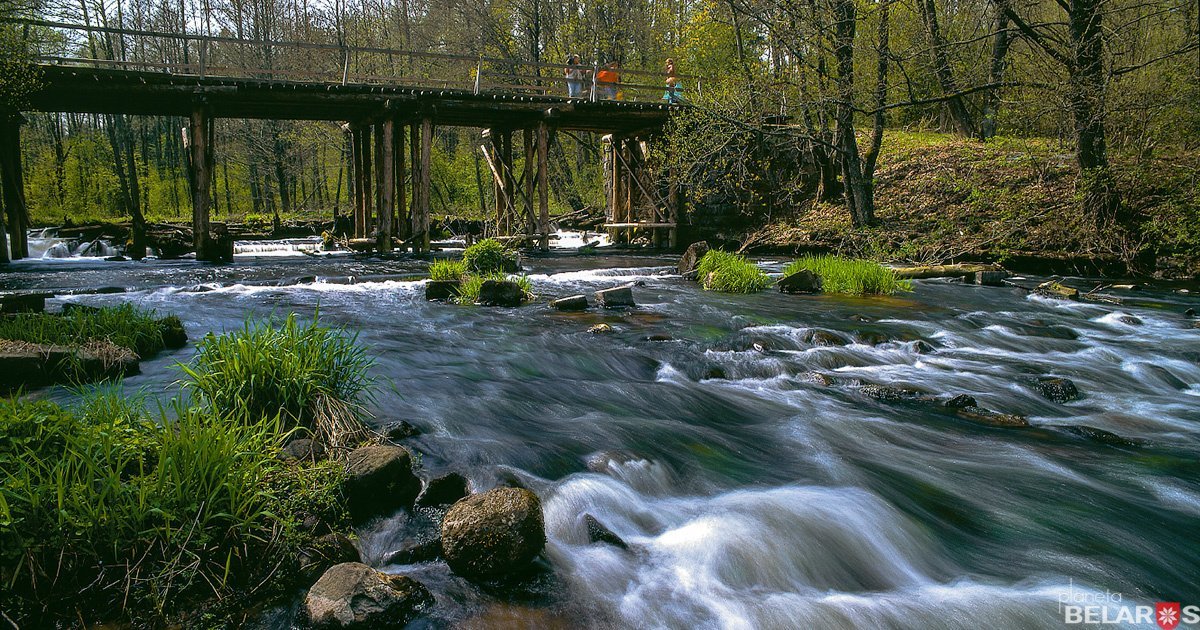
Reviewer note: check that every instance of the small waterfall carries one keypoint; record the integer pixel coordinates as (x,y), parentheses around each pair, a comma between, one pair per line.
(283,247)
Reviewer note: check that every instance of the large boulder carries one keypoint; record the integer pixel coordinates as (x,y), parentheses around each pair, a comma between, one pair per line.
(380,480)
(803,281)
(494,533)
(1058,389)
(173,333)
(690,260)
(501,293)
(616,297)
(353,595)
(24,302)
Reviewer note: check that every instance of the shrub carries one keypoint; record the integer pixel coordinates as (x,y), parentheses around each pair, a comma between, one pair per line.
(489,256)
(313,377)
(447,270)
(124,326)
(731,273)
(107,508)
(845,275)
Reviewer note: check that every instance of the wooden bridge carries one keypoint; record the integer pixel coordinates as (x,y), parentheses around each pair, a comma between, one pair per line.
(389,100)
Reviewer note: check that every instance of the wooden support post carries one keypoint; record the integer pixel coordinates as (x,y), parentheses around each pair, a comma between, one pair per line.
(496,163)
(421,211)
(414,155)
(402,226)
(377,160)
(673,207)
(543,185)
(627,190)
(613,173)
(363,227)
(510,182)
(528,187)
(201,164)
(386,152)
(356,168)
(12,182)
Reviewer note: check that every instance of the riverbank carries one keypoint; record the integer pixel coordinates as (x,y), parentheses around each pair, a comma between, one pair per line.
(1012,201)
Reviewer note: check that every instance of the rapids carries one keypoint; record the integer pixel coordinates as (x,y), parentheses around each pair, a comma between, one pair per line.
(751,494)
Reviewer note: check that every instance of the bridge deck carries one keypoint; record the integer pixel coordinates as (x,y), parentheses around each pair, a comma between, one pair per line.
(107,91)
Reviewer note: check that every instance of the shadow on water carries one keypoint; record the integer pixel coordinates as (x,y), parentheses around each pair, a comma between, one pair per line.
(727,439)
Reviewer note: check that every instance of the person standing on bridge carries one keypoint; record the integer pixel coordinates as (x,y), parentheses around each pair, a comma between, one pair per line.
(574,73)
(674,91)
(607,81)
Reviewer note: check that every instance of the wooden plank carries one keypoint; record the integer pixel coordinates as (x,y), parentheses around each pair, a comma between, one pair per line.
(387,182)
(201,159)
(637,224)
(543,186)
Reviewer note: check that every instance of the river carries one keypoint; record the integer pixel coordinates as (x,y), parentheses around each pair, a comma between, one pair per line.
(751,493)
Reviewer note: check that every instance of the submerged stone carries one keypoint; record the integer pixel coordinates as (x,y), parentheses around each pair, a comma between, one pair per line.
(444,490)
(501,293)
(572,303)
(1099,435)
(598,533)
(441,290)
(1058,389)
(992,418)
(600,329)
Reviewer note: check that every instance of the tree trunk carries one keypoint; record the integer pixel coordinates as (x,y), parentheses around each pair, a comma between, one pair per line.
(1087,98)
(1000,42)
(859,200)
(943,71)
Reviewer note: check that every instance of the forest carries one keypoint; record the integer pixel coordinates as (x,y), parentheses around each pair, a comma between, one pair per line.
(800,100)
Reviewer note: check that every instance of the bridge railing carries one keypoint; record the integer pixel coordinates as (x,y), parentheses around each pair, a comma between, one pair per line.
(328,62)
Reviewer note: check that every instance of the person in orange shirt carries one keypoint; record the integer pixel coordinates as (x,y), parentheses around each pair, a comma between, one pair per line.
(607,80)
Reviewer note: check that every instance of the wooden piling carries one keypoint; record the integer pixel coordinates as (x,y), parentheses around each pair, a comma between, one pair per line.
(362,227)
(401,224)
(356,168)
(11,180)
(543,185)
(385,157)
(200,135)
(421,210)
(528,183)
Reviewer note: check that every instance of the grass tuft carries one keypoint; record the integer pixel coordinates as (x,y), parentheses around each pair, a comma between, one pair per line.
(311,376)
(124,326)
(731,273)
(447,270)
(468,291)
(489,256)
(854,276)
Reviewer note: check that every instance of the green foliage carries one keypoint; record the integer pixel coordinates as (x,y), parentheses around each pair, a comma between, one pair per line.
(447,270)
(489,256)
(468,291)
(108,508)
(311,376)
(731,273)
(844,275)
(18,75)
(125,326)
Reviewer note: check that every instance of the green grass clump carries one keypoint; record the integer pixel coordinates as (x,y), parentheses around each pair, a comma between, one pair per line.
(854,276)
(447,270)
(125,326)
(109,511)
(313,377)
(731,273)
(489,256)
(468,291)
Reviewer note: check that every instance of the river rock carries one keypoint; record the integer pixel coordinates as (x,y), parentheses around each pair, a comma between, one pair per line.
(803,281)
(1130,320)
(380,481)
(501,293)
(444,490)
(690,260)
(960,401)
(572,303)
(1099,435)
(887,393)
(327,551)
(441,290)
(616,297)
(494,533)
(871,337)
(824,338)
(353,595)
(600,329)
(304,450)
(598,533)
(173,333)
(412,552)
(1058,389)
(921,346)
(659,337)
(816,378)
(990,278)
(993,418)
(1054,289)
(400,430)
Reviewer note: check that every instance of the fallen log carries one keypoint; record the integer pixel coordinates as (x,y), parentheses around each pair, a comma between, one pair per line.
(922,272)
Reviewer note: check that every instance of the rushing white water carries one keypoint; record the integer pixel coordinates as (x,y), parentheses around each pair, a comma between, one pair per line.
(756,482)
